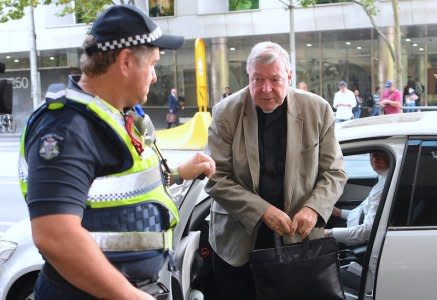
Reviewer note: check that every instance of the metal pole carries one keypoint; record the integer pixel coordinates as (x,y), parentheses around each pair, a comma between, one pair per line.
(34,82)
(292,45)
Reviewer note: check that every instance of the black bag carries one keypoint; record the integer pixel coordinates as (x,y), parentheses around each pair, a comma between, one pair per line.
(306,270)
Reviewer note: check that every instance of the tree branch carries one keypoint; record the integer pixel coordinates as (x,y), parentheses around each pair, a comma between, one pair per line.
(384,37)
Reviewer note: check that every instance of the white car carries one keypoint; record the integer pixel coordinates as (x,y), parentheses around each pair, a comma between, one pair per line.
(398,262)
(20,263)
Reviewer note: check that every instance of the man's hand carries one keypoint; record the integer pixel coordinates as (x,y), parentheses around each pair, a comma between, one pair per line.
(144,296)
(306,219)
(279,221)
(197,165)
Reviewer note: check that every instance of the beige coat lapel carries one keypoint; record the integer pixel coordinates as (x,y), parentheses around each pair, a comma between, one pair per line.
(294,147)
(250,132)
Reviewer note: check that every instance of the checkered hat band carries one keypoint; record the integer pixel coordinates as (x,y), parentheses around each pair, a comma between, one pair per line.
(138,39)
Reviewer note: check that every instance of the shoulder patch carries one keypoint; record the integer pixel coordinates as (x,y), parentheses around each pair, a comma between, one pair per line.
(51,145)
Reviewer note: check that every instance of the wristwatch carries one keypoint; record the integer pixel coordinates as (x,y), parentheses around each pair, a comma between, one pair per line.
(172,177)
(175,178)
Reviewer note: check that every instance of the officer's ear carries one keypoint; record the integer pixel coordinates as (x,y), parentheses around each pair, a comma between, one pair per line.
(125,60)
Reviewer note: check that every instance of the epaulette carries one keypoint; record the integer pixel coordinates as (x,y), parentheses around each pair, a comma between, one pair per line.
(55,96)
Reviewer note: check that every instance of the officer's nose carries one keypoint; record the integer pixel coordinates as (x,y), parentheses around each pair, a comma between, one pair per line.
(154,77)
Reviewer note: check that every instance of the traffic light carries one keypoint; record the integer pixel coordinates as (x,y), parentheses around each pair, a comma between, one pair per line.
(5,96)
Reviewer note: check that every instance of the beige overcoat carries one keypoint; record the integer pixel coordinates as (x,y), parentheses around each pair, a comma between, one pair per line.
(314,173)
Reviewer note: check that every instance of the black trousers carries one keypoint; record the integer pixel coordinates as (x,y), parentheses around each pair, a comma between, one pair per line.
(232,283)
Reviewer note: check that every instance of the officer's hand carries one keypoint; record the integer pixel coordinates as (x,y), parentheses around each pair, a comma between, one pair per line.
(278,221)
(199,164)
(144,296)
(306,219)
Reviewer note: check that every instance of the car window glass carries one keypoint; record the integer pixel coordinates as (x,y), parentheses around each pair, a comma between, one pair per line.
(358,166)
(424,206)
(399,213)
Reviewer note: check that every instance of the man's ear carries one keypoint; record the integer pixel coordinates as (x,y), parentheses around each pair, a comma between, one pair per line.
(123,61)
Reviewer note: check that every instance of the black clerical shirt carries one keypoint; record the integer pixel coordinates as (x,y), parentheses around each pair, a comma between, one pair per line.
(272,141)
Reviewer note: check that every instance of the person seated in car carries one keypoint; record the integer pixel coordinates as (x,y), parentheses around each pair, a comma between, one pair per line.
(359,220)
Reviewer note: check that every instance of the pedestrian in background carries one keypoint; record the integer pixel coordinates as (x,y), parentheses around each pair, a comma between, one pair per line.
(279,168)
(368,104)
(376,100)
(344,102)
(359,102)
(227,92)
(391,101)
(303,86)
(100,214)
(410,100)
(173,109)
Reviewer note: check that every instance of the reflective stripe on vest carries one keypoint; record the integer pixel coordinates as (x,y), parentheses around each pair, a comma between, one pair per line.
(112,188)
(133,241)
(138,184)
(22,167)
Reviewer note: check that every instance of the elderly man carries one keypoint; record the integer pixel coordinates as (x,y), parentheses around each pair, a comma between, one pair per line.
(279,168)
(100,214)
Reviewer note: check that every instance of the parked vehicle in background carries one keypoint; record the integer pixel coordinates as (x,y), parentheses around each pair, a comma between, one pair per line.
(20,263)
(398,262)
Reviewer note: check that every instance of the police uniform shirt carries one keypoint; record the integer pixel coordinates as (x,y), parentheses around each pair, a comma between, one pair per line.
(65,152)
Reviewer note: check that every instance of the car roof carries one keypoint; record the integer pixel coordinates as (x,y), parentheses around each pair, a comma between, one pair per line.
(403,124)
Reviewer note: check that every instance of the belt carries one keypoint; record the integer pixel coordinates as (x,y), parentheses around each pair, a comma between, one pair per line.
(133,241)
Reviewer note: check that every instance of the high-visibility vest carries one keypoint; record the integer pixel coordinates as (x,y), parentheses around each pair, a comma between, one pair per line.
(140,185)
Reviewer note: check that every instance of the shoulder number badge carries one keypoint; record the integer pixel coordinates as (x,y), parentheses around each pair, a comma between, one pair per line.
(50,146)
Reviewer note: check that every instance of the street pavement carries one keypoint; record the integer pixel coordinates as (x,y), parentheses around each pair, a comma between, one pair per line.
(12,205)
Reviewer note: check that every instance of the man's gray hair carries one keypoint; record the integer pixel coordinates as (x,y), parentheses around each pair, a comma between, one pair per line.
(267,53)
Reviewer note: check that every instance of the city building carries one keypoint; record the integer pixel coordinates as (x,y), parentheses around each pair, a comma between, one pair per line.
(334,41)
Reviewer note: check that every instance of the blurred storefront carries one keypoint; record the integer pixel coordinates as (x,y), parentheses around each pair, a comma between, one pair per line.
(324,54)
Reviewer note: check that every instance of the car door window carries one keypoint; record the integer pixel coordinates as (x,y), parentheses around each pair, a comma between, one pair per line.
(424,205)
(416,196)
(361,178)
(357,166)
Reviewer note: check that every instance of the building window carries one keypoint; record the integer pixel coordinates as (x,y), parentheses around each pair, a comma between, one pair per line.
(235,5)
(161,8)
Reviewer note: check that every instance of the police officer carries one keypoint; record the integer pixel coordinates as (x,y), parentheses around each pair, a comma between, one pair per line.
(99,212)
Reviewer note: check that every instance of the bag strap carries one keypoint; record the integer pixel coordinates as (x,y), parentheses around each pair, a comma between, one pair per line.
(278,247)
(279,243)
